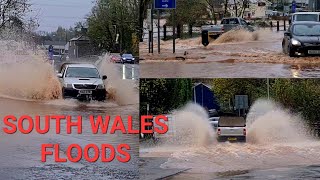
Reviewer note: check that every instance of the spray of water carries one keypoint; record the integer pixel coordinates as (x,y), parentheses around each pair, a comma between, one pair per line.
(25,74)
(124,92)
(238,35)
(276,138)
(190,127)
(269,123)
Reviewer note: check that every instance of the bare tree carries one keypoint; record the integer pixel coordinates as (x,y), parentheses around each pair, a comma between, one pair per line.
(212,5)
(13,11)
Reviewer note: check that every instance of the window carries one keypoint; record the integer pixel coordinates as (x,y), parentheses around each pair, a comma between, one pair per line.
(225,21)
(243,22)
(82,72)
(233,21)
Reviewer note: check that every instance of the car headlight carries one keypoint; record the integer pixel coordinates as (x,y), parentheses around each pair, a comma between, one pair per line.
(124,58)
(132,58)
(100,86)
(66,85)
(295,42)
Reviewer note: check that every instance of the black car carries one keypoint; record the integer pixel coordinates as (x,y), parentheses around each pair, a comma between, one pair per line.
(302,37)
(128,58)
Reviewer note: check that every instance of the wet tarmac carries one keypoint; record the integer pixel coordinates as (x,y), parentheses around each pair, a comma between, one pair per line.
(20,155)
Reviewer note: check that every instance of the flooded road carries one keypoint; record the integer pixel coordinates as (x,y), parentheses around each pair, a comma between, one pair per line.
(278,145)
(29,86)
(234,54)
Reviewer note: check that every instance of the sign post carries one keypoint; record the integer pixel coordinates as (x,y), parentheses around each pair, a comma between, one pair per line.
(149,21)
(165,5)
(241,103)
(293,6)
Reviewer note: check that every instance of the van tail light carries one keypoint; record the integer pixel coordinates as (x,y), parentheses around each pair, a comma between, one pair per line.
(244,132)
(219,131)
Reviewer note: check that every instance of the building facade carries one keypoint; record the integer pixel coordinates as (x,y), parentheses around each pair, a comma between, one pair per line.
(314,5)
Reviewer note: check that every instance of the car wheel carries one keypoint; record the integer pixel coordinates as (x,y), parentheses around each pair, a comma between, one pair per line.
(291,52)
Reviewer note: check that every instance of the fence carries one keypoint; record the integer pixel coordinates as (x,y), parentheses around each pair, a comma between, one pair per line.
(187,31)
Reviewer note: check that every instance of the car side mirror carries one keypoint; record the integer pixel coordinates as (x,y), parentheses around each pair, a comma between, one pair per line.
(287,33)
(104,77)
(59,75)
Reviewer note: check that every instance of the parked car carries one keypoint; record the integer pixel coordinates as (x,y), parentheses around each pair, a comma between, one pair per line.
(302,37)
(116,59)
(214,118)
(231,128)
(82,82)
(227,24)
(128,58)
(305,16)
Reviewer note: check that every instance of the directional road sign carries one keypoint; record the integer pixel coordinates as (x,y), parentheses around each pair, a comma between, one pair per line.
(165,4)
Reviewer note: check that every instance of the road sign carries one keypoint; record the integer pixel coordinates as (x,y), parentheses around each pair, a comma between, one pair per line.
(293,6)
(165,4)
(241,102)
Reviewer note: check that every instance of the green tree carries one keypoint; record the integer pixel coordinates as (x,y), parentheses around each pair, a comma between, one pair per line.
(112,17)
(164,95)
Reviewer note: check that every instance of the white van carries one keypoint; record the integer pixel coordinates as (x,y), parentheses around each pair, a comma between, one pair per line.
(305,16)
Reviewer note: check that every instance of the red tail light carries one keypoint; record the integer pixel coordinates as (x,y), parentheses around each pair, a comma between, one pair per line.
(222,29)
(244,132)
(219,131)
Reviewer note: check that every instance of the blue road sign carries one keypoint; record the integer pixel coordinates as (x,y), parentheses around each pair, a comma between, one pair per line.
(293,6)
(165,4)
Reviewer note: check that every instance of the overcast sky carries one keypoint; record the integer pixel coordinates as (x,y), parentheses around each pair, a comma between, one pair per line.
(65,13)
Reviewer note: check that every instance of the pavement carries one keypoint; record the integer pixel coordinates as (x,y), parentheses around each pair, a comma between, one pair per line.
(150,168)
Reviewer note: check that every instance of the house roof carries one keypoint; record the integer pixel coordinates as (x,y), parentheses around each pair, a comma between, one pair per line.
(197,84)
(80,38)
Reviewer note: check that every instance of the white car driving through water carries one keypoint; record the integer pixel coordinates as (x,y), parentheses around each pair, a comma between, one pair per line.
(231,128)
(82,82)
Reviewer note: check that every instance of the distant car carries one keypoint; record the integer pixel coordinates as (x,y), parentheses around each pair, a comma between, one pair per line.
(305,16)
(231,128)
(116,59)
(302,37)
(128,58)
(57,56)
(82,82)
(214,118)
(214,122)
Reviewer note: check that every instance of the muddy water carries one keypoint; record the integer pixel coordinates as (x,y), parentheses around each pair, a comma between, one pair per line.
(275,139)
(29,86)
(234,54)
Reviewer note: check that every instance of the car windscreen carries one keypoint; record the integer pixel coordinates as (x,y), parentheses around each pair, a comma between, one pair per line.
(82,72)
(127,55)
(306,17)
(226,121)
(306,30)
